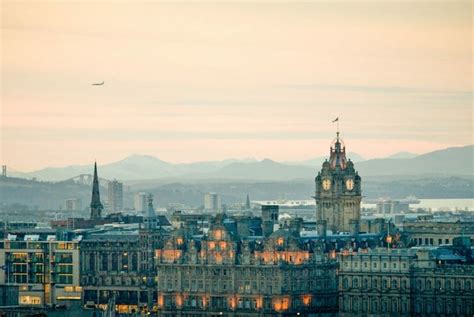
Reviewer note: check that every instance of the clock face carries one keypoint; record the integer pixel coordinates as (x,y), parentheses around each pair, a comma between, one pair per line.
(350,184)
(326,184)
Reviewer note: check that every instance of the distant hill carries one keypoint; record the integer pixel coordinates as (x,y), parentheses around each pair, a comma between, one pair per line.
(318,161)
(263,170)
(447,162)
(402,155)
(456,161)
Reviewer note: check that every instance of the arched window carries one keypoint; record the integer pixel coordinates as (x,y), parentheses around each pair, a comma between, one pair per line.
(419,284)
(365,283)
(429,307)
(448,285)
(355,304)
(468,285)
(458,285)
(428,284)
(355,282)
(345,283)
(439,306)
(418,306)
(394,283)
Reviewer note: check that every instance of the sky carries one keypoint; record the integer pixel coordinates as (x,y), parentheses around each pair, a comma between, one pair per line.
(201,81)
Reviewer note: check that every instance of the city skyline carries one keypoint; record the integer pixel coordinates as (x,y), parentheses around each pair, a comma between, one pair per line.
(201,82)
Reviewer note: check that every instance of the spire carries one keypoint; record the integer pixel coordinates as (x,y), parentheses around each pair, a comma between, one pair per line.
(151,209)
(150,221)
(247,202)
(96,205)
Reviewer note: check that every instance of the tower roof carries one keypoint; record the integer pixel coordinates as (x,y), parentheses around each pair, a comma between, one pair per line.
(337,155)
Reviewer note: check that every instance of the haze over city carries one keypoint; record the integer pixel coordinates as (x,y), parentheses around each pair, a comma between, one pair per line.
(192,82)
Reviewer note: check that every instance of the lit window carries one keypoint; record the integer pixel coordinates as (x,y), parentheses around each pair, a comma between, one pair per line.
(30,300)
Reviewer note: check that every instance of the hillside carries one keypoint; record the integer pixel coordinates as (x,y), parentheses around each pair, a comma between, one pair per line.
(456,161)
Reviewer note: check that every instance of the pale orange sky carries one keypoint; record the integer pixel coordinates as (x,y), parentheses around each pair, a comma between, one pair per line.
(191,81)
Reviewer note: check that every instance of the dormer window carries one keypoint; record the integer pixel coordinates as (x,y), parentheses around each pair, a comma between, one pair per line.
(280,241)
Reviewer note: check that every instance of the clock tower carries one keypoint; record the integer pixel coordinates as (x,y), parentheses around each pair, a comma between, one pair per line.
(338,193)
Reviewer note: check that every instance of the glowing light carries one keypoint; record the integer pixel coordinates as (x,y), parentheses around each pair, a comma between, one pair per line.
(306,299)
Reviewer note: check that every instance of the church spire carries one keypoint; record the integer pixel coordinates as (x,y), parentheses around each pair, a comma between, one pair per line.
(96,205)
(247,203)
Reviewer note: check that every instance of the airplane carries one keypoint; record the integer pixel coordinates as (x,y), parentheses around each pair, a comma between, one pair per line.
(98,84)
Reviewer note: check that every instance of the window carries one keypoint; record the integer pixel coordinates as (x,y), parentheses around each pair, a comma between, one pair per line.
(134,261)
(30,300)
(125,261)
(394,283)
(345,283)
(355,282)
(92,262)
(105,262)
(419,284)
(114,262)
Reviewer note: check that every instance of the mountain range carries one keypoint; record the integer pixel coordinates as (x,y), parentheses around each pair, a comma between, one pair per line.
(446,162)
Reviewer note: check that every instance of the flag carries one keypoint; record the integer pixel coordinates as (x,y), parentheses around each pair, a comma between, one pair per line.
(335,120)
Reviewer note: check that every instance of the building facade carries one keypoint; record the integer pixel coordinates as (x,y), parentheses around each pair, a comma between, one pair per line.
(435,233)
(73,204)
(115,196)
(405,282)
(111,269)
(221,276)
(46,271)
(140,202)
(212,202)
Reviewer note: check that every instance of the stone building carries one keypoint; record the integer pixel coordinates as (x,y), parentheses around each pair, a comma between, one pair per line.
(338,193)
(435,233)
(406,282)
(219,275)
(112,266)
